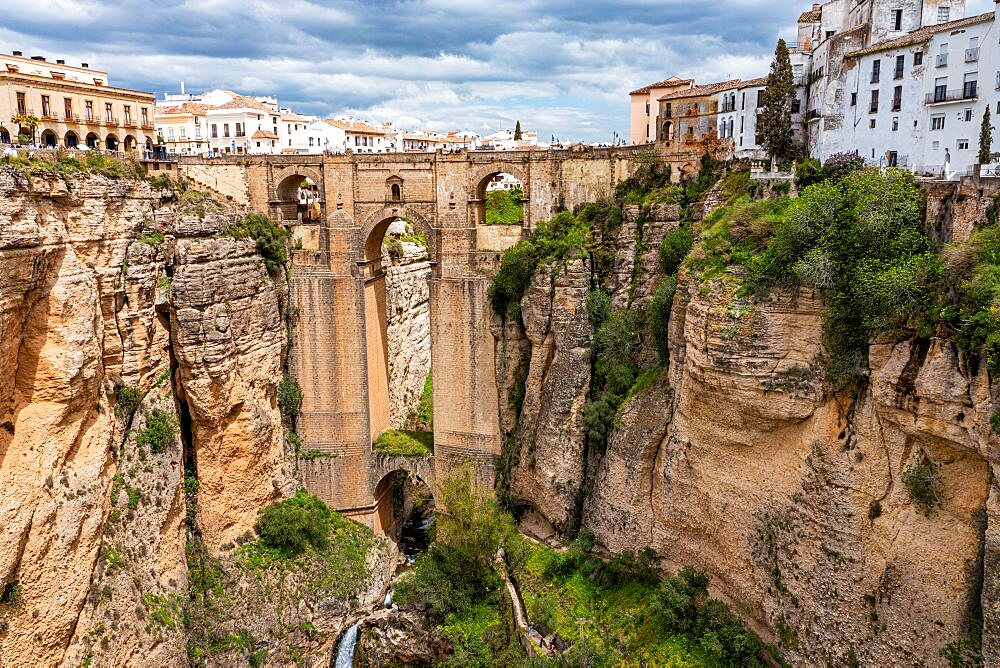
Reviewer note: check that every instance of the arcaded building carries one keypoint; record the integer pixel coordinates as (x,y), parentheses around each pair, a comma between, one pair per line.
(76,106)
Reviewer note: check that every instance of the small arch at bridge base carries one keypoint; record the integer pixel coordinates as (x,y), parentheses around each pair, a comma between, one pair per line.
(404,509)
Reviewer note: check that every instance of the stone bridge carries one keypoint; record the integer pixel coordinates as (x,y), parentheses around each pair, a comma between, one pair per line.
(337,292)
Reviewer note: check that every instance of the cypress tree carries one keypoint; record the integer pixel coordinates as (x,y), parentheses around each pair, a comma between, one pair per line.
(986,139)
(517,131)
(775,120)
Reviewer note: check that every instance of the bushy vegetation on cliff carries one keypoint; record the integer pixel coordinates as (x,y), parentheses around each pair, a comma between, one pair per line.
(64,163)
(601,612)
(305,555)
(859,236)
(503,207)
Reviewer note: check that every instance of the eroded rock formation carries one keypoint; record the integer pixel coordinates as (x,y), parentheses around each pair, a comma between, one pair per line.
(408,329)
(739,460)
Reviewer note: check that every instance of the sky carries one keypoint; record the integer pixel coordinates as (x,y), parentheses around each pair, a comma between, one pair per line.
(561,67)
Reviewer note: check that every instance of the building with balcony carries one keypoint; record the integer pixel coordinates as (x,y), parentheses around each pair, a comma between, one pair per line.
(76,106)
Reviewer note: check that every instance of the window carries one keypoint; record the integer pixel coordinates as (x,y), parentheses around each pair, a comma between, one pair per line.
(876,70)
(215,130)
(89,109)
(109,113)
(854,99)
(170,134)
(68,107)
(895,124)
(937,122)
(969,85)
(897,19)
(183,133)
(22,104)
(897,98)
(225,129)
(197,132)
(874,104)
(239,130)
(647,108)
(760,99)
(900,64)
(46,106)
(145,117)
(968,115)
(918,58)
(942,59)
(940,89)
(871,124)
(796,106)
(310,141)
(397,193)
(128,115)
(963,144)
(944,14)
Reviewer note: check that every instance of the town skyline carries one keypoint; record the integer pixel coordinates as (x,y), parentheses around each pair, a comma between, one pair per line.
(561,68)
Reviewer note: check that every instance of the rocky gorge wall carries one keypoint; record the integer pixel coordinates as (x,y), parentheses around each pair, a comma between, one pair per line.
(408,329)
(124,309)
(738,460)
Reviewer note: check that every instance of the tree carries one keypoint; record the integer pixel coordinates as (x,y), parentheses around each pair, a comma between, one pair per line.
(517,131)
(27,121)
(986,139)
(775,121)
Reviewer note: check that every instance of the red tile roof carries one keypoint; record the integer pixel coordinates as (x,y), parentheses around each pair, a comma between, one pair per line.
(811,16)
(192,108)
(666,83)
(703,90)
(921,35)
(264,134)
(244,102)
(357,127)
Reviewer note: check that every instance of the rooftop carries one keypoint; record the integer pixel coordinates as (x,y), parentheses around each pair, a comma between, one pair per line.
(702,90)
(355,126)
(921,35)
(193,108)
(666,83)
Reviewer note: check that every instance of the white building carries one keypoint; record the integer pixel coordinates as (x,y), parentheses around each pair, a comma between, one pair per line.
(361,137)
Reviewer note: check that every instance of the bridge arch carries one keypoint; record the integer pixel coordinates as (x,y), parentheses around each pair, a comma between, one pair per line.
(387,474)
(287,203)
(374,227)
(481,180)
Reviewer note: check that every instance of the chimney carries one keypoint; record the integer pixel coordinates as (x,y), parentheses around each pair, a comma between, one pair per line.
(60,61)
(85,65)
(182,88)
(19,53)
(816,6)
(41,58)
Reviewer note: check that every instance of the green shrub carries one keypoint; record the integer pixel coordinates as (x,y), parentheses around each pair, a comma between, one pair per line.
(673,249)
(598,307)
(923,483)
(191,499)
(422,419)
(289,398)
(160,431)
(11,594)
(397,443)
(458,571)
(292,526)
(271,238)
(393,247)
(808,172)
(503,207)
(126,400)
(659,317)
(161,182)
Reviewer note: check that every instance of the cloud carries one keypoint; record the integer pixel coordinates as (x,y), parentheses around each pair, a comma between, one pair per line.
(563,67)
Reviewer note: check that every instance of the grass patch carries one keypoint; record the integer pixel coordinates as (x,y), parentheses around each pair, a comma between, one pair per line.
(400,443)
(271,238)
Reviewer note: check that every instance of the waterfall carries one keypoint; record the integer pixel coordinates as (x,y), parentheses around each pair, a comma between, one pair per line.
(345,649)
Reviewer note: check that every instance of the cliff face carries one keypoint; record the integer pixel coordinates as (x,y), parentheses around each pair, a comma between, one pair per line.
(139,350)
(738,461)
(408,330)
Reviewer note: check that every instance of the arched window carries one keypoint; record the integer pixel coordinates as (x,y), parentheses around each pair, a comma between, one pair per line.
(397,193)
(730,127)
(4,136)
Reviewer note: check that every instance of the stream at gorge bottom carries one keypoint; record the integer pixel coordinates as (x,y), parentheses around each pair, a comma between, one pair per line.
(414,539)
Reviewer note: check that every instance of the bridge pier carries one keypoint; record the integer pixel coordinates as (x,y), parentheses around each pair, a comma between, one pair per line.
(338,341)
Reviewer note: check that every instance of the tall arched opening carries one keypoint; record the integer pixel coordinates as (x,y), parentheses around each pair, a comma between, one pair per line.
(93,141)
(500,199)
(71,139)
(4,135)
(111,143)
(298,199)
(397,271)
(404,511)
(49,139)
